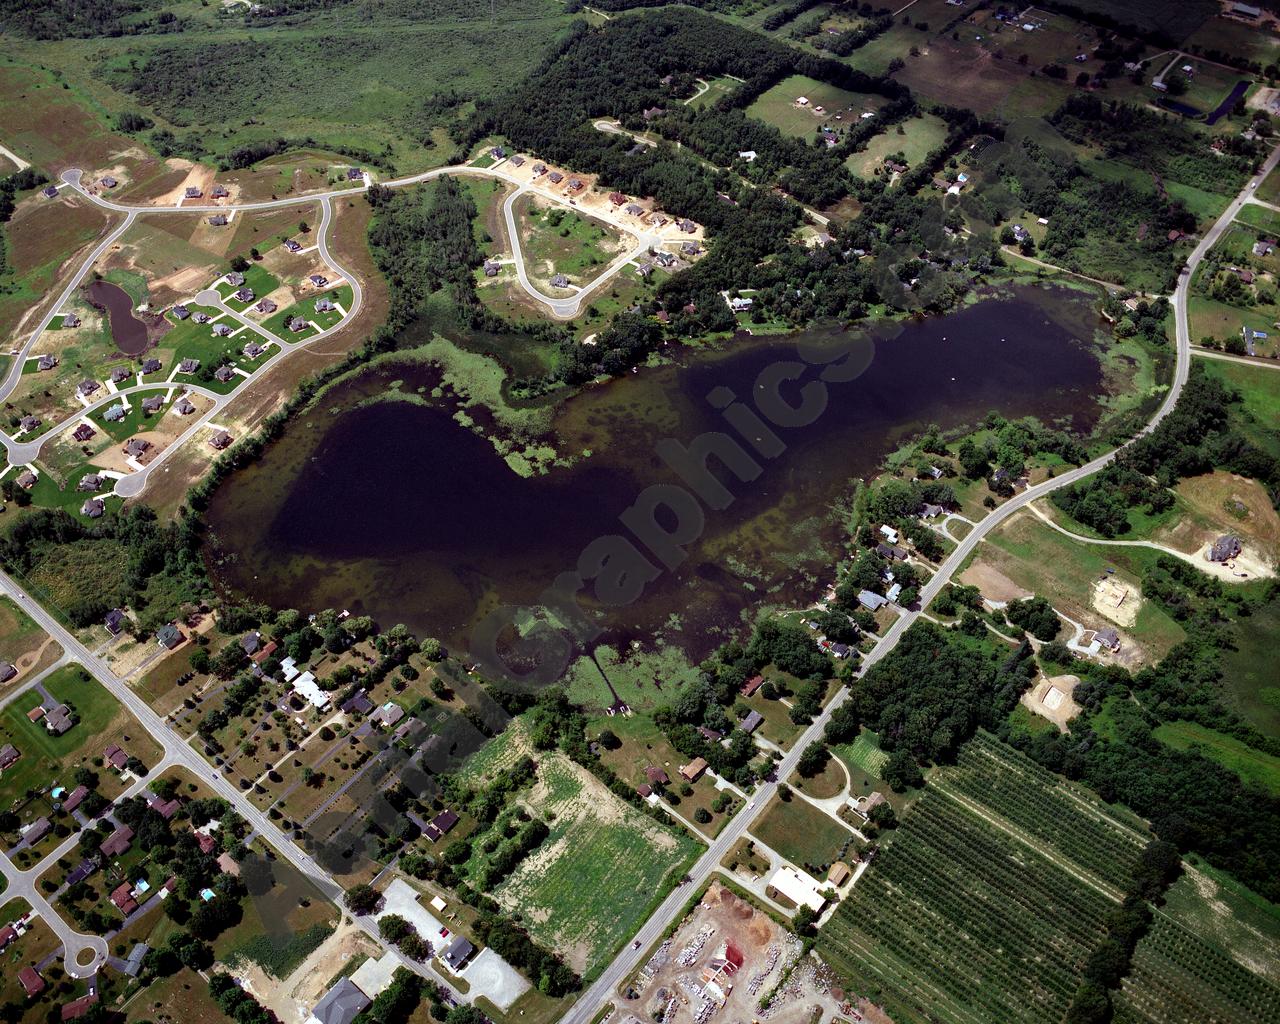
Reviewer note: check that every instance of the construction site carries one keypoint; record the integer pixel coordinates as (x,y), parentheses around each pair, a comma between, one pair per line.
(728,961)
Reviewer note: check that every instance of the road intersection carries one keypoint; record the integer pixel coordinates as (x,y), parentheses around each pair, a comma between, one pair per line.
(177,751)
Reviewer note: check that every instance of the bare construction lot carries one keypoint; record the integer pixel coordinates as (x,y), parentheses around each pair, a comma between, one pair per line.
(726,962)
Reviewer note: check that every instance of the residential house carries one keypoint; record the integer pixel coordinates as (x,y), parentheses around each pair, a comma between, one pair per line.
(355,174)
(169,636)
(87,387)
(70,320)
(151,366)
(37,831)
(293,245)
(118,842)
(358,704)
(752,722)
(46,362)
(59,720)
(122,897)
(559,281)
(635,209)
(617,198)
(152,404)
(498,153)
(340,1005)
(189,365)
(7,935)
(838,874)
(235,279)
(1108,638)
(1264,247)
(8,753)
(1225,548)
(891,552)
(29,423)
(77,1008)
(686,225)
(871,601)
(27,479)
(228,866)
(180,312)
(114,621)
(93,508)
(253,350)
(220,440)
(75,798)
(192,192)
(250,643)
(656,776)
(751,685)
(297,324)
(325,306)
(218,220)
(221,330)
(491,268)
(266,306)
(388,715)
(219,192)
(319,280)
(133,963)
(32,983)
(82,871)
(108,182)
(555,177)
(517,161)
(692,771)
(50,192)
(739,304)
(7,671)
(690,248)
(137,447)
(539,169)
(114,414)
(440,826)
(120,374)
(576,184)
(929,511)
(223,373)
(244,294)
(649,113)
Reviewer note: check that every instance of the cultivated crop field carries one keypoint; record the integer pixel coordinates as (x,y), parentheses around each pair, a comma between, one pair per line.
(592,881)
(978,908)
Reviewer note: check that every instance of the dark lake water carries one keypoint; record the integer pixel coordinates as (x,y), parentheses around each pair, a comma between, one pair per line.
(394,510)
(127,331)
(1224,108)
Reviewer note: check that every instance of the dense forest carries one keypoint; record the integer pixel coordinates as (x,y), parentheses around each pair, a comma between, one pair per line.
(92,19)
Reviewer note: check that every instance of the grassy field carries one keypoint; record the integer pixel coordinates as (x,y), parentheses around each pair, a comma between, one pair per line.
(1258,413)
(918,137)
(1249,678)
(278,77)
(803,834)
(19,635)
(1254,766)
(777,106)
(599,872)
(554,240)
(717,88)
(1259,218)
(961,922)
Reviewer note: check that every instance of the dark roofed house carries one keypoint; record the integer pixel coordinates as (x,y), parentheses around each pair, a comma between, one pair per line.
(1109,638)
(118,842)
(340,1005)
(223,373)
(219,192)
(635,209)
(253,350)
(644,791)
(218,220)
(244,294)
(189,365)
(752,722)
(75,798)
(518,160)
(152,403)
(29,423)
(46,362)
(70,320)
(180,312)
(235,279)
(539,169)
(491,268)
(440,826)
(93,508)
(1224,548)
(266,306)
(355,173)
(559,281)
(82,871)
(220,440)
(498,153)
(32,983)
(617,198)
(192,192)
(88,386)
(50,192)
(656,776)
(165,808)
(319,280)
(27,479)
(169,636)
(77,1008)
(108,182)
(576,184)
(59,720)
(206,842)
(137,446)
(114,621)
(120,374)
(358,703)
(555,177)
(151,366)
(8,754)
(684,224)
(37,831)
(7,935)
(134,963)
(7,671)
(250,642)
(298,324)
(458,953)
(649,113)
(293,245)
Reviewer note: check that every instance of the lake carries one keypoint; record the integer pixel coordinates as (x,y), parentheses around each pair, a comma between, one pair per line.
(390,508)
(127,331)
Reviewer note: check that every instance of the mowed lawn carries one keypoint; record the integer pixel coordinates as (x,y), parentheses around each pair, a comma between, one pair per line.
(803,834)
(47,758)
(1258,412)
(19,635)
(920,136)
(778,107)
(599,873)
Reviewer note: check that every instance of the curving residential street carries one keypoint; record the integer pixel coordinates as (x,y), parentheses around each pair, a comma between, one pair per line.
(631,957)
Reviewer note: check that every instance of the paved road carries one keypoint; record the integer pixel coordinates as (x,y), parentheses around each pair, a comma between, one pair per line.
(177,752)
(630,958)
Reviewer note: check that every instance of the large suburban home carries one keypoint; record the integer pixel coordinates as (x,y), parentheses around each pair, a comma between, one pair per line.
(70,320)
(7,671)
(221,330)
(180,312)
(220,440)
(559,281)
(223,373)
(90,482)
(1225,548)
(136,447)
(93,508)
(152,404)
(192,192)
(253,350)
(29,423)
(218,220)
(298,324)
(9,753)
(266,306)
(244,295)
(235,279)
(184,406)
(293,245)
(319,280)
(114,621)
(83,432)
(46,362)
(120,374)
(108,182)
(201,317)
(325,306)
(169,636)
(189,365)
(219,192)
(114,414)
(355,173)
(27,479)
(151,366)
